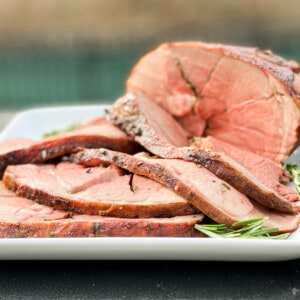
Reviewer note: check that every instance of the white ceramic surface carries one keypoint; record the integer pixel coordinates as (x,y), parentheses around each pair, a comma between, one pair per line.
(33,123)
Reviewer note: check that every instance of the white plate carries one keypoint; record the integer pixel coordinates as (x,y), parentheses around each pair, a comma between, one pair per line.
(33,123)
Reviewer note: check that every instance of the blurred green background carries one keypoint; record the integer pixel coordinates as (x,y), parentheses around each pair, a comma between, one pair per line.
(55,52)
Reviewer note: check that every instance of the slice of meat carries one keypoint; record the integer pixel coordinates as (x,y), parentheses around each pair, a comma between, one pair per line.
(129,114)
(96,133)
(265,170)
(232,172)
(13,144)
(148,124)
(75,178)
(98,191)
(248,98)
(96,226)
(211,195)
(16,209)
(24,218)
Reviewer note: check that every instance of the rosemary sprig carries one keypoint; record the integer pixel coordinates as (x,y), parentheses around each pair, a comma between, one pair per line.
(64,130)
(248,229)
(294,170)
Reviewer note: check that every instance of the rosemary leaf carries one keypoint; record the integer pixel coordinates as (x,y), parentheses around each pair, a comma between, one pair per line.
(260,232)
(207,232)
(65,130)
(294,170)
(250,221)
(282,236)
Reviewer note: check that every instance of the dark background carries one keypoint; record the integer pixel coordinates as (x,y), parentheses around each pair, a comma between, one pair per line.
(81,51)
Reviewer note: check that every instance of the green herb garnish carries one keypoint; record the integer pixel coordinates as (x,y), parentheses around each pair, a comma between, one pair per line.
(248,229)
(294,170)
(65,130)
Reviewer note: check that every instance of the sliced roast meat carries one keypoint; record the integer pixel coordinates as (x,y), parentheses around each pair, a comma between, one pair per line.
(13,144)
(148,124)
(248,98)
(24,218)
(265,170)
(232,172)
(99,190)
(97,226)
(211,195)
(16,209)
(129,114)
(96,133)
(74,178)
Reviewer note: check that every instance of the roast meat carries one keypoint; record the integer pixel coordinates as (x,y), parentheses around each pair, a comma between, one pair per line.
(143,121)
(212,196)
(99,191)
(243,96)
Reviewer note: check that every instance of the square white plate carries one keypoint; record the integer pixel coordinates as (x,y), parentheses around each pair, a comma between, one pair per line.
(33,123)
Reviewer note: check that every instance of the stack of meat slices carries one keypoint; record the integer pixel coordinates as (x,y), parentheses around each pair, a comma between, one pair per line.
(63,199)
(202,131)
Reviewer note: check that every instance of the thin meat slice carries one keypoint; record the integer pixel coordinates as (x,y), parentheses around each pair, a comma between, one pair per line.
(13,144)
(211,195)
(97,226)
(98,191)
(23,218)
(16,209)
(265,170)
(247,98)
(74,178)
(141,122)
(96,133)
(148,124)
(232,172)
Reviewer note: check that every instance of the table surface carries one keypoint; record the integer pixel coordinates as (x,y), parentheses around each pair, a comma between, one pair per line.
(147,279)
